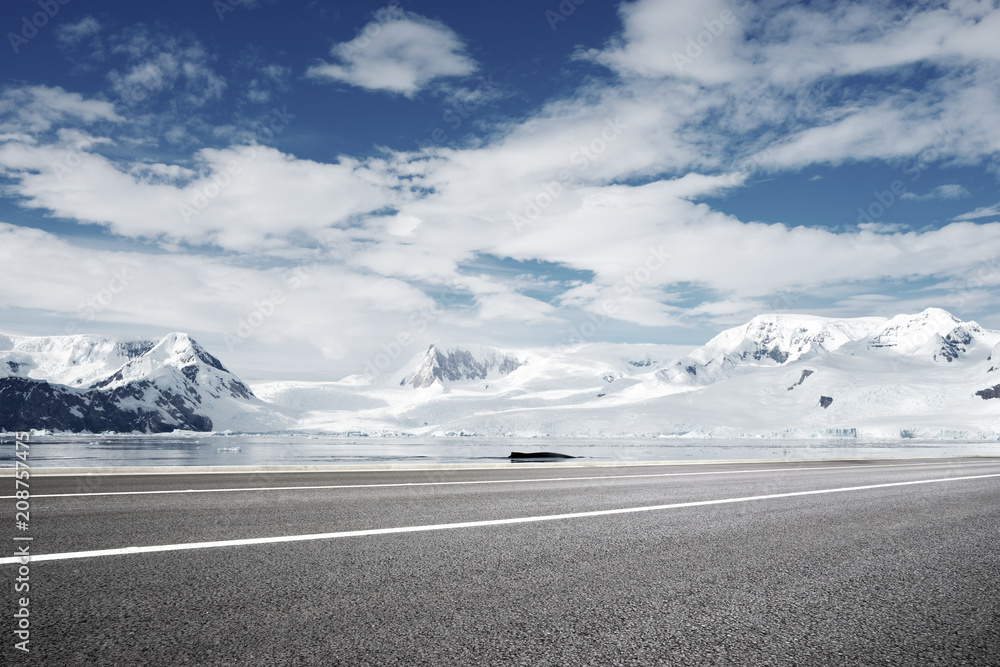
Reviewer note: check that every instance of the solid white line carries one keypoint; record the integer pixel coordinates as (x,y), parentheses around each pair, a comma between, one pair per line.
(466,524)
(480,481)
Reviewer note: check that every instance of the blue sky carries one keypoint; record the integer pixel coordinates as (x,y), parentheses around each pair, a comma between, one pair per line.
(304,186)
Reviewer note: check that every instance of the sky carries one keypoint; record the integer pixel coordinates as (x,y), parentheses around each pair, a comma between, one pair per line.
(313,189)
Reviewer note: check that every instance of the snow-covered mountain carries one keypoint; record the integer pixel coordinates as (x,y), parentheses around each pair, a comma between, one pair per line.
(767,340)
(925,375)
(451,363)
(776,340)
(97,383)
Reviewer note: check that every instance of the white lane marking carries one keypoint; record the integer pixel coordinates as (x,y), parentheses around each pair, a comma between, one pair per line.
(466,524)
(480,481)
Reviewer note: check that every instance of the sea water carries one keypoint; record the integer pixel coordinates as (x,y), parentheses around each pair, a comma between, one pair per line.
(196,449)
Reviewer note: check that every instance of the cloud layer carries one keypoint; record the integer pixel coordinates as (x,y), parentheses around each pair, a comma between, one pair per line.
(594,201)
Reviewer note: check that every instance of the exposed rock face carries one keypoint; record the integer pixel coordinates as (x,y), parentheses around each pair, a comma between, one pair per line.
(769,340)
(825,401)
(955,344)
(35,404)
(805,374)
(989,392)
(457,365)
(94,383)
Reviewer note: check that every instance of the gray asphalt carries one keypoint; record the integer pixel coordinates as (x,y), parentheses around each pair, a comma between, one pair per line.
(905,575)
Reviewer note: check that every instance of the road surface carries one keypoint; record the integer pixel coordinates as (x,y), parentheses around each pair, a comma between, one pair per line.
(892,562)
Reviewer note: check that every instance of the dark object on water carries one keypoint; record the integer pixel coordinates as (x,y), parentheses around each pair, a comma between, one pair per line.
(534,456)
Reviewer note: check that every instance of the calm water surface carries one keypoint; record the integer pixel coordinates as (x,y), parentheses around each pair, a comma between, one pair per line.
(244,450)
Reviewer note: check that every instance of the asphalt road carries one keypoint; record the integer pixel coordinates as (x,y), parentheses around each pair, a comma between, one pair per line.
(907,574)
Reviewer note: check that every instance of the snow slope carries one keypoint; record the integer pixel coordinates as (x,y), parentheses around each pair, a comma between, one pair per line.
(778,375)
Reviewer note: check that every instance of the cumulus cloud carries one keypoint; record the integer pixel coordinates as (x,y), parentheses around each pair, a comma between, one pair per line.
(398,53)
(241,198)
(677,38)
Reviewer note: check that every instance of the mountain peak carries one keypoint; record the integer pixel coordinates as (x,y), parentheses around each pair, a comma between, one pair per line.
(179,348)
(451,363)
(770,339)
(91,382)
(778,339)
(909,333)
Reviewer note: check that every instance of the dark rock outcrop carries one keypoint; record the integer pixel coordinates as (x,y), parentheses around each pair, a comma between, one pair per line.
(456,365)
(955,345)
(36,404)
(825,401)
(989,392)
(802,379)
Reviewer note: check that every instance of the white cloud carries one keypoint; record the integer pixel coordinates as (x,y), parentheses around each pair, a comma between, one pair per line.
(646,245)
(241,198)
(36,109)
(603,183)
(513,307)
(156,63)
(678,38)
(784,99)
(948,191)
(270,79)
(398,53)
(793,44)
(981,212)
(87,289)
(71,34)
